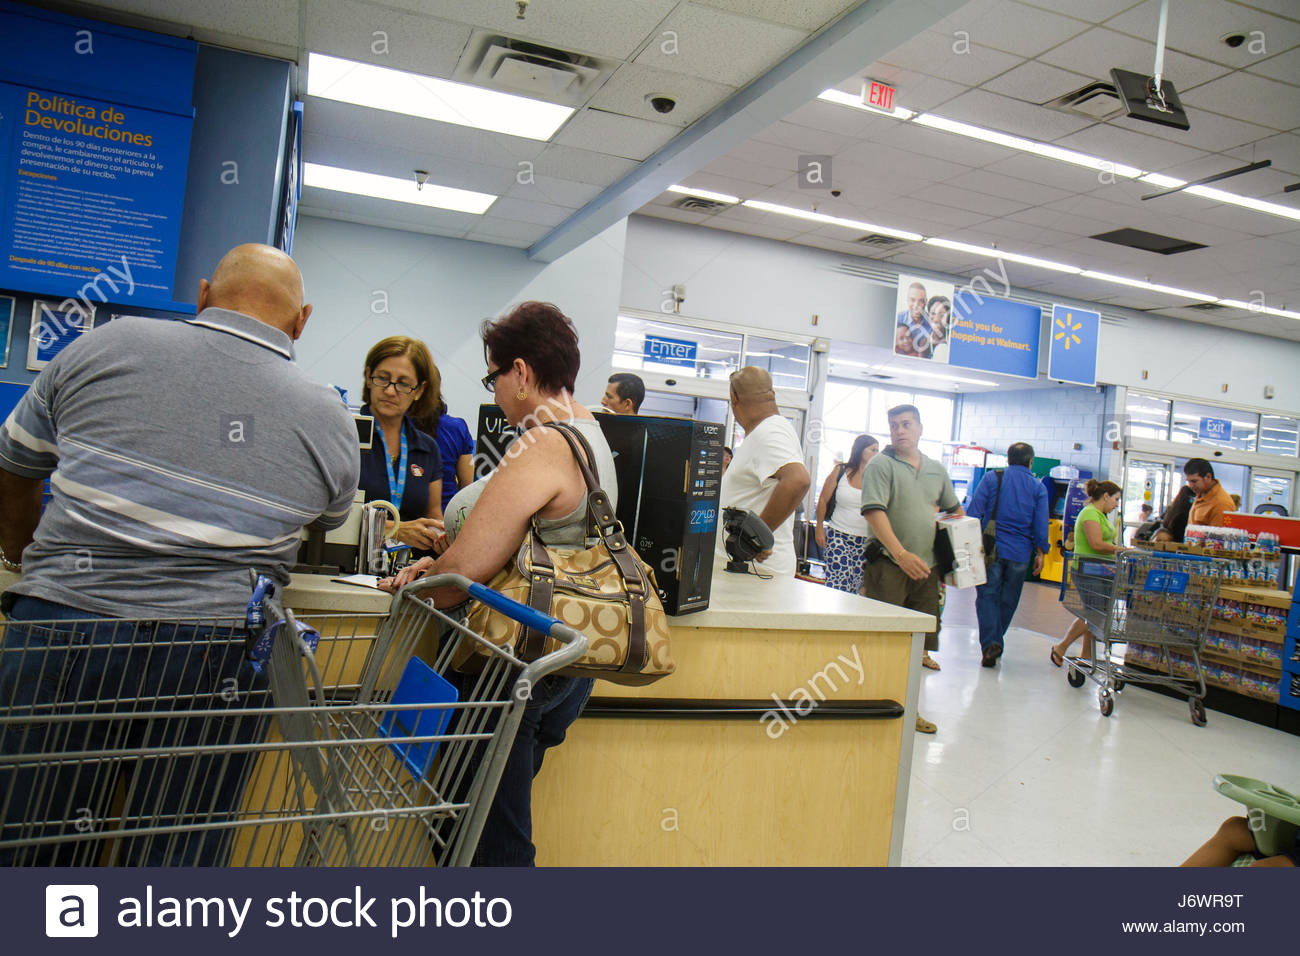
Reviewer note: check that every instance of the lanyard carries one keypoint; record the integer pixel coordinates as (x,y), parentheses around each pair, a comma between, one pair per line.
(396,485)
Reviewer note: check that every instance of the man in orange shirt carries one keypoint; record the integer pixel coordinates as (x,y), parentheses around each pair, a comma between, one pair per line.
(1212,502)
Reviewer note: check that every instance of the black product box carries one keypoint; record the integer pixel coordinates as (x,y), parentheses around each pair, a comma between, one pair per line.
(669,477)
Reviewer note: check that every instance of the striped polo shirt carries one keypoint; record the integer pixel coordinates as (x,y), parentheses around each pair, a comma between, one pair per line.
(181,455)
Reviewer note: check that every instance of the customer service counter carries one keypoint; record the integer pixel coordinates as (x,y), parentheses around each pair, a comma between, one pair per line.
(783,739)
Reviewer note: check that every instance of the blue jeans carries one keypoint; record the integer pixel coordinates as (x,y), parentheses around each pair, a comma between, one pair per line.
(996,599)
(507,838)
(61,676)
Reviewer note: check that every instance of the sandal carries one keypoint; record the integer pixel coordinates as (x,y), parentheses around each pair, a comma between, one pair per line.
(928,661)
(1057,659)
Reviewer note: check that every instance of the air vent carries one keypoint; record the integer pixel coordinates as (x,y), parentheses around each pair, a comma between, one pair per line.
(880,242)
(1209,307)
(696,204)
(517,66)
(1148,241)
(1096,101)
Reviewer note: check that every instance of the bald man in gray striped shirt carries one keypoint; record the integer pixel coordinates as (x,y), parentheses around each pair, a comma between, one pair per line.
(180,455)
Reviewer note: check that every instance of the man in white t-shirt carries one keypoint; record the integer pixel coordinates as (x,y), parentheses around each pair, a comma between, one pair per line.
(767,473)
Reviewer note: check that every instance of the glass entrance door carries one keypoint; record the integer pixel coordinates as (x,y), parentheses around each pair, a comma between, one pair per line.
(1270,493)
(1146,481)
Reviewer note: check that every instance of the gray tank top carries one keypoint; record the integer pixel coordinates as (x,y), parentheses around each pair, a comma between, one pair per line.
(568,531)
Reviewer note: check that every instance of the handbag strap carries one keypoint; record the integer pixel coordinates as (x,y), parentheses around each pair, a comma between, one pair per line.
(997,498)
(601,519)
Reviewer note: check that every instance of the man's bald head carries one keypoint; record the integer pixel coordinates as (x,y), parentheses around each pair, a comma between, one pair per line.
(752,396)
(260,281)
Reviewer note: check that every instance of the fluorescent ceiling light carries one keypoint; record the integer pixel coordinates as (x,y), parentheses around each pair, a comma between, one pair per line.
(1002,254)
(1164,182)
(380,88)
(1139,284)
(908,370)
(830,220)
(1027,145)
(849,99)
(395,190)
(704,194)
(1246,202)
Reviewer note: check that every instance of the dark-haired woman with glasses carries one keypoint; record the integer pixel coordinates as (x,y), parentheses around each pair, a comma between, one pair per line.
(403,465)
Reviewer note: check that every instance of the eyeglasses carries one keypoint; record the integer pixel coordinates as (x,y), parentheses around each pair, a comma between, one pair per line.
(382,382)
(490,379)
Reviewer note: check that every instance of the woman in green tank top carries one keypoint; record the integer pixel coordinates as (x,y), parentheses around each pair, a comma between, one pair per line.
(1094,537)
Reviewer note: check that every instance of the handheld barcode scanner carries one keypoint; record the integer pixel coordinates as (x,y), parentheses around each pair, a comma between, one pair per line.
(747,536)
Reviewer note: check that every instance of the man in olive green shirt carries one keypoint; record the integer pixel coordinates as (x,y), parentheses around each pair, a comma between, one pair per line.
(901,492)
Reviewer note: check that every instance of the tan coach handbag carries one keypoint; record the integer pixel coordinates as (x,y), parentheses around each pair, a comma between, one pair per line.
(605,591)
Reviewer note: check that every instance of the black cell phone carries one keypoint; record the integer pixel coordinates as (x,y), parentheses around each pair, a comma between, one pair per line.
(873,551)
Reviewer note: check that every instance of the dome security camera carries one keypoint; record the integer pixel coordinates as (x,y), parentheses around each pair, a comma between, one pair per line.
(837,193)
(661,103)
(1234,40)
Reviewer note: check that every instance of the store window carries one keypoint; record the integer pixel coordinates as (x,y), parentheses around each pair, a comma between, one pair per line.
(1197,424)
(1278,435)
(788,362)
(849,406)
(651,345)
(1148,416)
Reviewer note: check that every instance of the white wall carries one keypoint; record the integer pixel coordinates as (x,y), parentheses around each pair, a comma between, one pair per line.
(1060,419)
(773,285)
(369,283)
(753,282)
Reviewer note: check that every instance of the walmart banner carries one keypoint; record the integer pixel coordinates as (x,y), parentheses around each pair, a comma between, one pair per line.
(1073,355)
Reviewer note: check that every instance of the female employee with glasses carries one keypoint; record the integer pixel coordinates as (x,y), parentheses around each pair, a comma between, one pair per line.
(403,464)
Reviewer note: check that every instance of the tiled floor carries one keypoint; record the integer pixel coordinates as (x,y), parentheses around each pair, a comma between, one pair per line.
(1025,771)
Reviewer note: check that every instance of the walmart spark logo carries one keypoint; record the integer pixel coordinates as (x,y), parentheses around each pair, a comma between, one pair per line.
(1068,329)
(1075,335)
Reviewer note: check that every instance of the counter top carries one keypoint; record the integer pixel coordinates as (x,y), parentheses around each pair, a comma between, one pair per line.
(738,601)
(744,601)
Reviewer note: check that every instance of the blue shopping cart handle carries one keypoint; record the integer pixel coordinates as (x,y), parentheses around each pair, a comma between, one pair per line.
(522,613)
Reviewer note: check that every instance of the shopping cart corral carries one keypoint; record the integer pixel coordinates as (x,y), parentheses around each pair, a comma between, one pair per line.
(1163,600)
(333,741)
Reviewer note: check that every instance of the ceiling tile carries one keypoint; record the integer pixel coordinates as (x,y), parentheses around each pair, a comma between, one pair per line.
(325,201)
(613,28)
(993,184)
(883,159)
(900,210)
(274,21)
(527,210)
(807,15)
(1036,169)
(916,91)
(972,202)
(742,170)
(492,228)
(1008,115)
(1254,99)
(1209,131)
(1095,52)
(1283,150)
(802,138)
(940,145)
(687,42)
(1036,82)
(1129,148)
(834,118)
(615,134)
(556,192)
(626,91)
(676,215)
(937,54)
(1196,28)
(580,165)
(384,37)
(1012,27)
(1285,67)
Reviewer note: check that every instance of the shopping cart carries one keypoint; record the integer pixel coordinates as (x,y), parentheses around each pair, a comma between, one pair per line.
(1161,600)
(322,742)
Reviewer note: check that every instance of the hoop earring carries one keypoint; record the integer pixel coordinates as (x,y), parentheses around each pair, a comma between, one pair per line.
(521,395)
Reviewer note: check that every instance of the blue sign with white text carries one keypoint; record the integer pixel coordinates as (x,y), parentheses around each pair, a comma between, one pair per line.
(666,351)
(995,335)
(1072,356)
(1216,429)
(95,125)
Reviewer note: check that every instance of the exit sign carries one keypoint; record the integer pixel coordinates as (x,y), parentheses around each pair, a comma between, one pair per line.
(878,96)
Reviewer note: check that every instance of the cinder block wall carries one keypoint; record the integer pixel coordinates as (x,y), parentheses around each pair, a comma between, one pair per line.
(1053,420)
